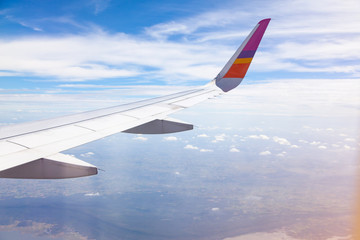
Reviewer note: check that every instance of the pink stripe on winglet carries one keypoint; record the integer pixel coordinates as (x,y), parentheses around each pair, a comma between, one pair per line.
(255,39)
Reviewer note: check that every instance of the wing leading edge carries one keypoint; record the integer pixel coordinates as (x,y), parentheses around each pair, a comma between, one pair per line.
(32,150)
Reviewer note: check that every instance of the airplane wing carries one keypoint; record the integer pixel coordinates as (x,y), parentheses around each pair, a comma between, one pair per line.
(33,150)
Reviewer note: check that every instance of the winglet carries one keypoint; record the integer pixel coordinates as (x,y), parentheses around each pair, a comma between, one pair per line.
(235,69)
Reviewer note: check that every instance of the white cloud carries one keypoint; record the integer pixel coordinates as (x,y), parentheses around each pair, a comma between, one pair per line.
(265,153)
(282,154)
(315,143)
(206,150)
(219,138)
(234,150)
(122,55)
(350,139)
(256,129)
(190,25)
(264,137)
(261,136)
(170,138)
(322,147)
(140,138)
(347,147)
(92,194)
(189,146)
(202,135)
(100,5)
(88,154)
(294,146)
(315,55)
(99,55)
(215,209)
(281,141)
(102,56)
(337,97)
(25,23)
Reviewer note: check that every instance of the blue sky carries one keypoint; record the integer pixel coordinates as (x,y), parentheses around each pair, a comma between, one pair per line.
(48,45)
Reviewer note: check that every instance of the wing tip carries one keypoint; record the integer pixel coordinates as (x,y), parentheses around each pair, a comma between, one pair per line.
(236,68)
(265,20)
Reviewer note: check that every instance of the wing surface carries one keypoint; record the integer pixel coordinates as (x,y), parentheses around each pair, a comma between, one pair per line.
(33,150)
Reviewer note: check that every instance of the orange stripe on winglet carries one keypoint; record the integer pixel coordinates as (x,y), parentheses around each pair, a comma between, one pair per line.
(242,60)
(237,70)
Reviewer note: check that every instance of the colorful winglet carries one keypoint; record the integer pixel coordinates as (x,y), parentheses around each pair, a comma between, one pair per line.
(235,69)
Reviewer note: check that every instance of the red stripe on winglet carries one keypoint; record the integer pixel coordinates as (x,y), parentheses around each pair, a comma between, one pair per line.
(255,39)
(237,70)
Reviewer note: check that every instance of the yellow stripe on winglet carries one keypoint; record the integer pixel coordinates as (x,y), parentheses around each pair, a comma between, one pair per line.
(242,60)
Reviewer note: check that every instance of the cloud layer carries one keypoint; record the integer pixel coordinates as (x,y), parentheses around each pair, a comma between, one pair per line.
(180,50)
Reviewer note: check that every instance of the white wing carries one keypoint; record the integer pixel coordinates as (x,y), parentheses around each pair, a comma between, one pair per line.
(32,150)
